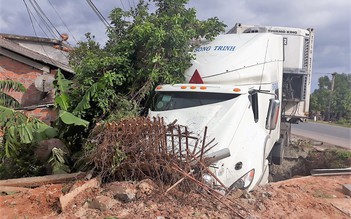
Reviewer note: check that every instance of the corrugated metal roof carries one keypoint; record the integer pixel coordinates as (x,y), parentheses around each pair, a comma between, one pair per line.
(48,55)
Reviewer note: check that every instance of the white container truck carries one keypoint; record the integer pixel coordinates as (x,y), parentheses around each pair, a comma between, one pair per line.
(245,86)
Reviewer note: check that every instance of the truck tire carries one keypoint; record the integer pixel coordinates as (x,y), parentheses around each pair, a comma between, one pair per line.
(278,151)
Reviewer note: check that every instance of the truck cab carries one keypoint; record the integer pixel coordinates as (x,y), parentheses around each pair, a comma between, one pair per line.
(234,90)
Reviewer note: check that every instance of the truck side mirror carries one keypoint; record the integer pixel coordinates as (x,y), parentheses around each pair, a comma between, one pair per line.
(272,114)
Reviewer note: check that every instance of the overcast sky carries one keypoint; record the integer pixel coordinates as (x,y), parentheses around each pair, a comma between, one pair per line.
(331,20)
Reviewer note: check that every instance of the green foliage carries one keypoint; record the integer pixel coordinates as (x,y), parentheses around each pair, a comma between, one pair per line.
(319,100)
(118,157)
(20,130)
(324,82)
(72,128)
(143,49)
(344,122)
(63,86)
(70,119)
(9,85)
(58,161)
(339,99)
(20,166)
(338,158)
(328,159)
(112,82)
(21,134)
(63,102)
(6,86)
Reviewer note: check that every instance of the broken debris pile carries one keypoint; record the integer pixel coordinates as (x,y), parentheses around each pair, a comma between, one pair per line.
(139,148)
(170,155)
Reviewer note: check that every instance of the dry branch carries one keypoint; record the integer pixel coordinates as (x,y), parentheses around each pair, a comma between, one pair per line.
(42,180)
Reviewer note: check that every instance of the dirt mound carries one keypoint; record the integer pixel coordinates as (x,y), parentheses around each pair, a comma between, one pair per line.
(306,197)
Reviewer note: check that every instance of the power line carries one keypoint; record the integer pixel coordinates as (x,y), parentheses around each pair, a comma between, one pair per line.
(43,13)
(124,9)
(30,17)
(35,32)
(62,21)
(43,20)
(97,12)
(130,5)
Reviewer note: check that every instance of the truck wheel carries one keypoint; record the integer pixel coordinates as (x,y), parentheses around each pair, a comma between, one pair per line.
(278,151)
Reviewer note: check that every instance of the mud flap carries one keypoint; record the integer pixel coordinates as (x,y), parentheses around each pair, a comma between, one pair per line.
(278,151)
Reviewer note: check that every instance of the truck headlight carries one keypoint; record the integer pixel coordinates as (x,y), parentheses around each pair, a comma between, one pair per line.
(245,181)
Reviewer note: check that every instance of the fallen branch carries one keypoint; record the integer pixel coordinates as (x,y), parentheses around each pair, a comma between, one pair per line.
(42,180)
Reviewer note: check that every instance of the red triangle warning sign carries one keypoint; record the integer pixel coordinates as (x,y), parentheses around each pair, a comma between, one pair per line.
(196,78)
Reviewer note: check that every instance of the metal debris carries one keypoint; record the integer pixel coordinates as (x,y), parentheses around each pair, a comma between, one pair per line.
(143,148)
(139,148)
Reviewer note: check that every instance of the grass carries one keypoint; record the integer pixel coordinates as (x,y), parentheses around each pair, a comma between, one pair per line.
(339,158)
(329,159)
(320,194)
(340,123)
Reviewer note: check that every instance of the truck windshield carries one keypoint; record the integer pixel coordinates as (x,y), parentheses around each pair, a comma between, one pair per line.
(179,100)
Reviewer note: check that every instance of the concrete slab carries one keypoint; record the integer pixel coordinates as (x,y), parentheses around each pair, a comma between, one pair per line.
(346,189)
(342,204)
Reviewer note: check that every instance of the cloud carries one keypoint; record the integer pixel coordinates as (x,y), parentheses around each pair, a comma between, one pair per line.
(3,23)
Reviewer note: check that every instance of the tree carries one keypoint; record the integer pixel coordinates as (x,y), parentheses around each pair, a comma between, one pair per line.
(143,49)
(319,102)
(339,99)
(111,82)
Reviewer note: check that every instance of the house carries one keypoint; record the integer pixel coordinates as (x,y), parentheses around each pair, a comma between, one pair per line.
(34,61)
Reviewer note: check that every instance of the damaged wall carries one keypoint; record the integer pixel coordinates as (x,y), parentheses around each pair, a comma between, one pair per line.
(11,69)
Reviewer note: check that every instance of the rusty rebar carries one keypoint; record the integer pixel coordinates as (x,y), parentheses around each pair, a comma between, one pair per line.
(203,143)
(149,149)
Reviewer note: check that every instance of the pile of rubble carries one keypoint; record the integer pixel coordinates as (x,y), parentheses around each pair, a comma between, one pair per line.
(306,197)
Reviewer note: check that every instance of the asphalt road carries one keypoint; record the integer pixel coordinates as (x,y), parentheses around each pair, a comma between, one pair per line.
(335,135)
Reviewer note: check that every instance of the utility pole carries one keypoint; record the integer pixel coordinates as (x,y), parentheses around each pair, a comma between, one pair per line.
(331,93)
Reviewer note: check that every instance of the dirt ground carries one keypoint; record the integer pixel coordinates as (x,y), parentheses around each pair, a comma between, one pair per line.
(302,197)
(305,197)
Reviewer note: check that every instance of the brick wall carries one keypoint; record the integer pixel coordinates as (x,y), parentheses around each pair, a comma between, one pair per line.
(11,69)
